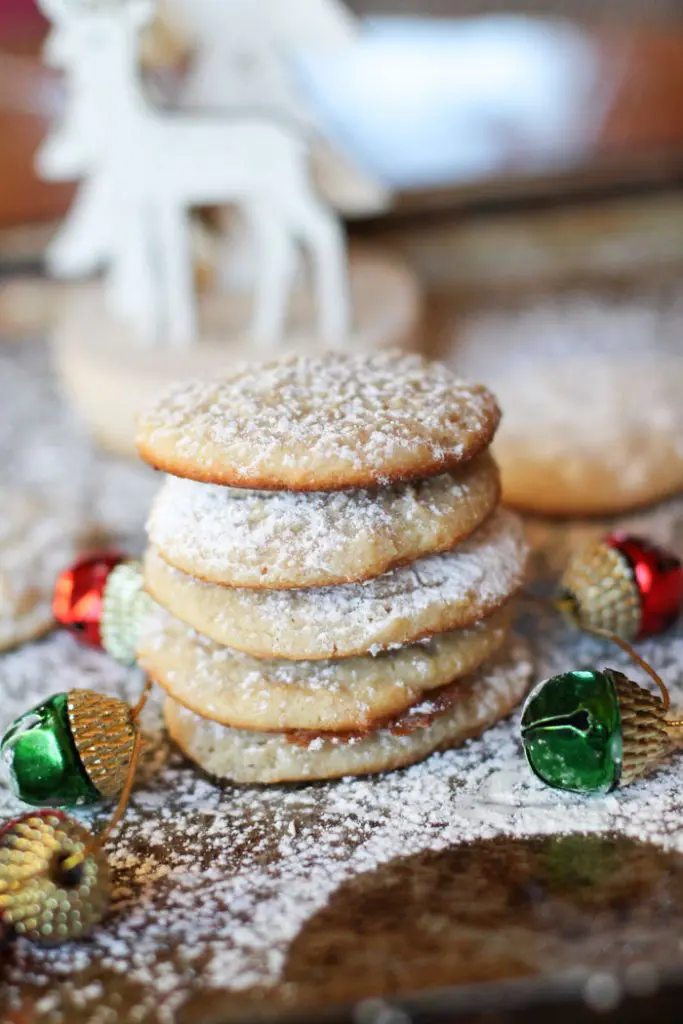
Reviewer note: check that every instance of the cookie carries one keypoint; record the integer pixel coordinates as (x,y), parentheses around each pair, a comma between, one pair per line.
(444,719)
(591,384)
(436,594)
(592,436)
(281,539)
(110,383)
(320,424)
(353,693)
(35,545)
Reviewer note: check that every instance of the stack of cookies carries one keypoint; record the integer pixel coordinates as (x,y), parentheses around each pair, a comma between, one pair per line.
(332,571)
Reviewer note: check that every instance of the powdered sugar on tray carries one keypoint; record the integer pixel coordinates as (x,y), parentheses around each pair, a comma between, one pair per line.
(214,884)
(226,877)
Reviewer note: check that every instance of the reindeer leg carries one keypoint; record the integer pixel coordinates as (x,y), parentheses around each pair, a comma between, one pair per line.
(127,271)
(277,263)
(131,291)
(324,238)
(176,280)
(83,242)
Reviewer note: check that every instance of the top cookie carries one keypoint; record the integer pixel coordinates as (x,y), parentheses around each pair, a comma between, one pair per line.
(320,424)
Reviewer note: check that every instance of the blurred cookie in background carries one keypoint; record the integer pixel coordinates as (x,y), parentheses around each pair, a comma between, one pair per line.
(591,386)
(36,543)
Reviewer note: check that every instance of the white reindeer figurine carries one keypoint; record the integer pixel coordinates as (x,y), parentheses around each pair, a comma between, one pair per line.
(243,57)
(70,153)
(242,49)
(86,241)
(156,166)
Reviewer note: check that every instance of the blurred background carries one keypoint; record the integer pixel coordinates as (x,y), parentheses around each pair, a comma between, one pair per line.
(455,104)
(532,152)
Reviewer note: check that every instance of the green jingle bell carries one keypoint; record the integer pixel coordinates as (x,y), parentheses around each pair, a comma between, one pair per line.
(74,748)
(591,731)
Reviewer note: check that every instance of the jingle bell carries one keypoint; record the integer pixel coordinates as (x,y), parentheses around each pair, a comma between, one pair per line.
(624,585)
(55,883)
(101,601)
(74,748)
(79,595)
(591,731)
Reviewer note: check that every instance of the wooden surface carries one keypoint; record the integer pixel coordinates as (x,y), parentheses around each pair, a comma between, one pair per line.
(29,96)
(640,137)
(501,252)
(637,9)
(462,259)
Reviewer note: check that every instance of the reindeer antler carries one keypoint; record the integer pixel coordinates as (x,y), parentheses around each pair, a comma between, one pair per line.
(61,10)
(55,10)
(142,9)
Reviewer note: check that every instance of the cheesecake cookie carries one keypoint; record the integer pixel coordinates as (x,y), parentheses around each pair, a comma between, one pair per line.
(337,695)
(35,545)
(436,594)
(444,719)
(280,539)
(322,423)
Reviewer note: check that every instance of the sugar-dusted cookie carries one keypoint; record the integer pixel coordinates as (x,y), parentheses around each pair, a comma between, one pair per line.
(592,436)
(591,384)
(269,695)
(111,382)
(281,539)
(35,545)
(434,595)
(444,719)
(321,423)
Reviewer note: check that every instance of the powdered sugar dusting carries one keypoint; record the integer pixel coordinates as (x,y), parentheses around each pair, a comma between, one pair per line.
(599,374)
(211,661)
(213,885)
(314,420)
(227,877)
(434,594)
(248,538)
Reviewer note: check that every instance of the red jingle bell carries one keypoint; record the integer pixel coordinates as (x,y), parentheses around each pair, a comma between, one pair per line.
(101,601)
(79,592)
(625,585)
(659,577)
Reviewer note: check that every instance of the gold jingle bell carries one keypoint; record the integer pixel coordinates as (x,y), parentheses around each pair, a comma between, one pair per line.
(55,883)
